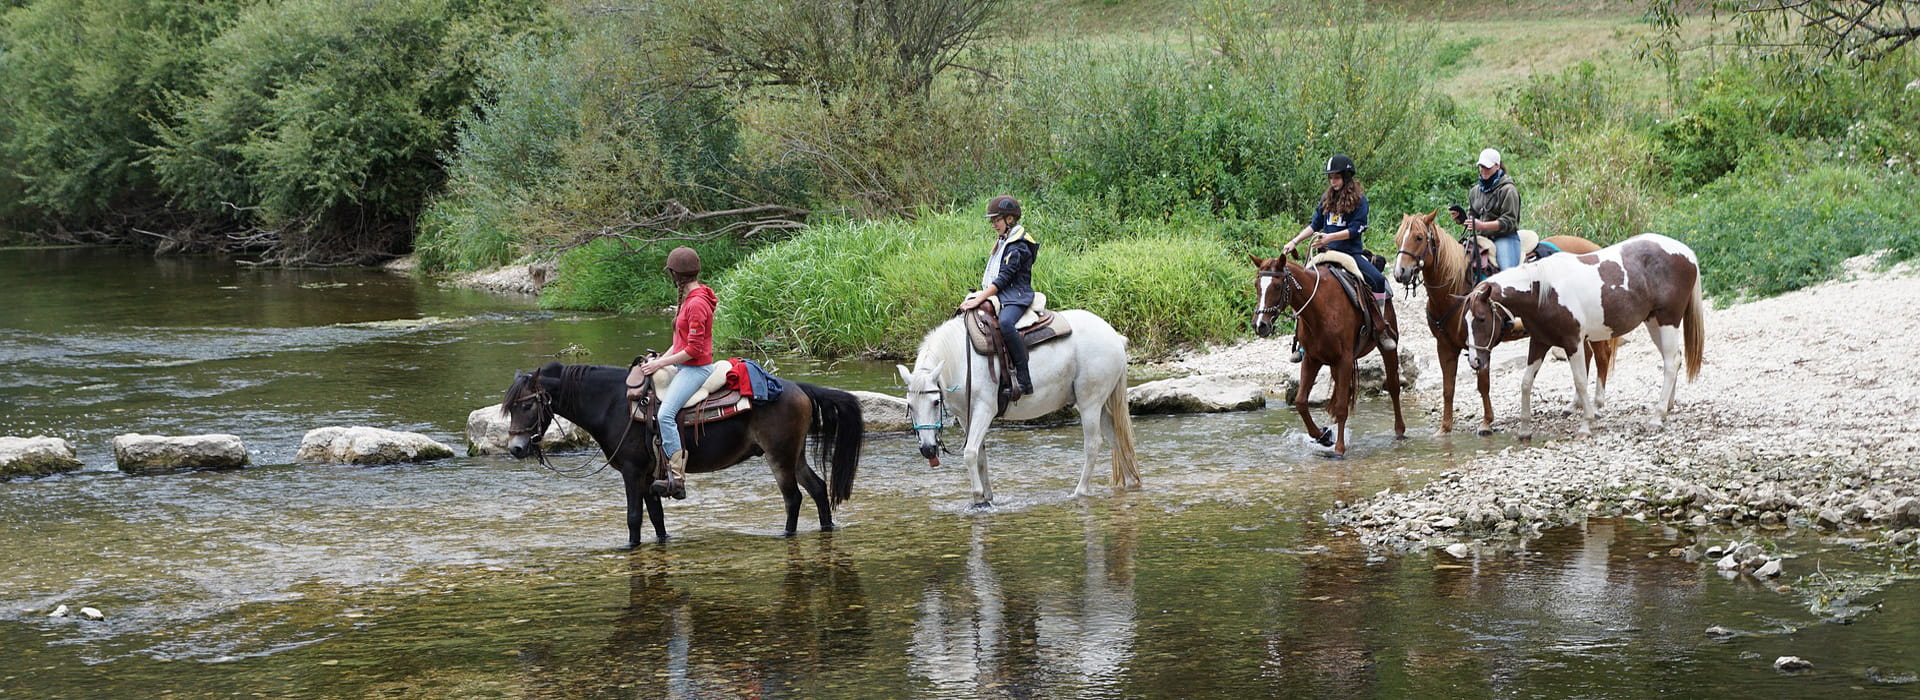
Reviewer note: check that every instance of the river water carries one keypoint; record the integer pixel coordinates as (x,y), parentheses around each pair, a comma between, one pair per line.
(487,577)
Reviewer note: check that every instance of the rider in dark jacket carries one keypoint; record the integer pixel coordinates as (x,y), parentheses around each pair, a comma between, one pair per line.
(1339,221)
(1009,276)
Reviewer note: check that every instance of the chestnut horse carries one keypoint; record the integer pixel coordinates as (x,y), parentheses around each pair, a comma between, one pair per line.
(1328,328)
(1441,263)
(1569,301)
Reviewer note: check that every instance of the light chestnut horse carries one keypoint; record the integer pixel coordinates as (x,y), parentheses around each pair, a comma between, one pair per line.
(1330,333)
(1569,301)
(1440,263)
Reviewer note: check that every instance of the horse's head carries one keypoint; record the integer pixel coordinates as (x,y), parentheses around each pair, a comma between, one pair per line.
(1487,322)
(1418,241)
(926,407)
(1272,288)
(529,410)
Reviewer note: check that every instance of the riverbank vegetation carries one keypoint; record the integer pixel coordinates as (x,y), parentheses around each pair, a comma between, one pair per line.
(828,158)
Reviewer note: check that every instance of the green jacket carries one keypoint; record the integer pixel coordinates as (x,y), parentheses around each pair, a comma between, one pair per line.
(1503,203)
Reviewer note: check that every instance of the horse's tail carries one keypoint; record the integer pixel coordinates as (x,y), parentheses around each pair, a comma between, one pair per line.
(1126,468)
(838,425)
(1694,328)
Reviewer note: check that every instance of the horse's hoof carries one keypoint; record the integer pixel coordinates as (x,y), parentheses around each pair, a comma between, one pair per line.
(1326,437)
(1335,455)
(981,507)
(826,527)
(1483,432)
(1402,435)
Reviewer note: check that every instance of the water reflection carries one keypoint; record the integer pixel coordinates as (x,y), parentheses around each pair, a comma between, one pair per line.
(975,633)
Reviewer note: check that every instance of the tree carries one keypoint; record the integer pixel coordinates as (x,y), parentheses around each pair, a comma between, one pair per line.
(1857,31)
(828,46)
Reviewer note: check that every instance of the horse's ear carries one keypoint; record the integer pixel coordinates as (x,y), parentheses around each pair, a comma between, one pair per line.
(905,376)
(937,366)
(1257,262)
(1430,217)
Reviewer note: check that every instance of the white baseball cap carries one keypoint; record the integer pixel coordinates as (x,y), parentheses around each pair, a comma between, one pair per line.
(1488,158)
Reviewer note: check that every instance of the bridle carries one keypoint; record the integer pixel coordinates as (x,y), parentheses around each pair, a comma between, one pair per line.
(1506,325)
(1287,288)
(1432,238)
(940,422)
(533,435)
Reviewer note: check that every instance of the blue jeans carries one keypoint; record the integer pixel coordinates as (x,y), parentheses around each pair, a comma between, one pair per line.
(685,383)
(1506,250)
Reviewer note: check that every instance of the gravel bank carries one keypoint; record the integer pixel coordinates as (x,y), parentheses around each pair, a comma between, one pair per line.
(1802,417)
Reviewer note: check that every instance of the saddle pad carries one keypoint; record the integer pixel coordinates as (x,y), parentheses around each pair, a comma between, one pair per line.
(664,378)
(1334,257)
(1529,239)
(979,325)
(722,405)
(1032,316)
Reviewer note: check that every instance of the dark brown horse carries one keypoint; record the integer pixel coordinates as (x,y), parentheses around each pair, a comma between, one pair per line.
(1569,301)
(594,397)
(1441,264)
(1329,330)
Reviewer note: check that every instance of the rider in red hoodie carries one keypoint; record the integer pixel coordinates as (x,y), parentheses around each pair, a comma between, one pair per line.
(693,351)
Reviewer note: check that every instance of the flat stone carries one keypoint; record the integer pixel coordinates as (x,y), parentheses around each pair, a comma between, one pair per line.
(1718,631)
(1768,570)
(1211,393)
(364,445)
(35,456)
(93,614)
(1904,512)
(487,433)
(1792,663)
(136,453)
(883,413)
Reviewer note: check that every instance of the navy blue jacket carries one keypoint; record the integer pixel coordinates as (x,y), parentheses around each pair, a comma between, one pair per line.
(1016,269)
(1355,224)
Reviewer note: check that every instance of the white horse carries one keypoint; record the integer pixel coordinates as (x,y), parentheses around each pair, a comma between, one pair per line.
(1087,368)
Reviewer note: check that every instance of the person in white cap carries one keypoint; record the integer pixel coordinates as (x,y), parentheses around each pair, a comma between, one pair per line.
(1493,209)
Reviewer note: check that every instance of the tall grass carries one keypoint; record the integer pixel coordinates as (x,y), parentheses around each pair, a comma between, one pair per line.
(879,287)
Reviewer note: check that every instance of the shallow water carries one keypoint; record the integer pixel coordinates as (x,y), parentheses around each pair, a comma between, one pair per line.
(486,577)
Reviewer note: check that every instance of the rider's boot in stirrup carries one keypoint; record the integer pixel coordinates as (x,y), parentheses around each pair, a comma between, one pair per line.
(1385,335)
(675,484)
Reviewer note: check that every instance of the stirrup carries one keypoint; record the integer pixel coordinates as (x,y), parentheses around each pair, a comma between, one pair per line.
(671,487)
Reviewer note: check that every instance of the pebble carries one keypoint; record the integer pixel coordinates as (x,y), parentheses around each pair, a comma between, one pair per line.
(1718,631)
(1459,550)
(1792,663)
(61,611)
(93,614)
(1768,570)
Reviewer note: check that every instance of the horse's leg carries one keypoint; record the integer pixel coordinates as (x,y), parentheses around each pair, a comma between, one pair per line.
(1602,354)
(1341,405)
(816,488)
(1449,365)
(638,487)
(973,458)
(1483,377)
(1390,361)
(1092,418)
(1577,361)
(1309,371)
(1536,355)
(1667,340)
(657,512)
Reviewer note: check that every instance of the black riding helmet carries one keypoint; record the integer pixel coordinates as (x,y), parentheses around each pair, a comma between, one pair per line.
(1341,164)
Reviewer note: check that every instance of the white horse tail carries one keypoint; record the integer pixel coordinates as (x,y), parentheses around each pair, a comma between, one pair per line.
(1694,329)
(1126,468)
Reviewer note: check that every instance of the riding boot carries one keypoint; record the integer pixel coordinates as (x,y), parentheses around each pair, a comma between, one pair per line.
(1017,354)
(1384,334)
(675,484)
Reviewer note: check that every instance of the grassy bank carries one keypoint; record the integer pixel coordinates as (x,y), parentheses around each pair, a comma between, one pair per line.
(879,287)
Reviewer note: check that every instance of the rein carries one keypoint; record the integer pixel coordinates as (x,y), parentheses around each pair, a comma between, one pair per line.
(1287,289)
(1506,323)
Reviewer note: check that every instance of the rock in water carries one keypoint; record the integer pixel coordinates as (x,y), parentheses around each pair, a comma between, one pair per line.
(1718,631)
(1768,570)
(93,614)
(363,445)
(1212,393)
(37,456)
(1459,550)
(61,611)
(136,453)
(1792,663)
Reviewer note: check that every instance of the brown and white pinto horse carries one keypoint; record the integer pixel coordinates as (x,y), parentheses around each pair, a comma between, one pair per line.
(1441,264)
(1647,280)
(1328,327)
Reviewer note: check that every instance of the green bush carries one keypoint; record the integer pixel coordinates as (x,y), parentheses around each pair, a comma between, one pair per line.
(606,275)
(1778,224)
(318,120)
(1580,98)
(1601,184)
(1155,130)
(879,287)
(85,83)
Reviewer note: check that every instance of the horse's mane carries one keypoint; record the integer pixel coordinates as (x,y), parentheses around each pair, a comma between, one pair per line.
(570,376)
(941,345)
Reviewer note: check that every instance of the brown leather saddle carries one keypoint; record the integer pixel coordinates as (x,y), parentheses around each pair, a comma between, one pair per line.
(712,403)
(983,331)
